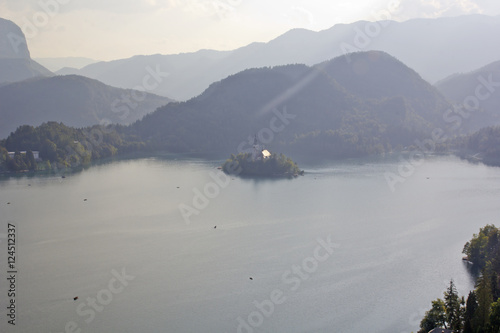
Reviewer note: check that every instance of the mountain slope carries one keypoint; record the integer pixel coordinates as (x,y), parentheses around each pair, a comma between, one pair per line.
(15,62)
(378,75)
(482,85)
(74,100)
(301,109)
(432,47)
(191,72)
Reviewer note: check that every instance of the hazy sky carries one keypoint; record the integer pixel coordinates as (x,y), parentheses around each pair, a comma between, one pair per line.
(113,29)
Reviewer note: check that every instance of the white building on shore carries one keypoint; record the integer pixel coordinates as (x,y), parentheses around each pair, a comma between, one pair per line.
(36,154)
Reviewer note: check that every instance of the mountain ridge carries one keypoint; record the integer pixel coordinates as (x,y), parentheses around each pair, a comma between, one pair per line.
(404,40)
(74,100)
(15,61)
(55,64)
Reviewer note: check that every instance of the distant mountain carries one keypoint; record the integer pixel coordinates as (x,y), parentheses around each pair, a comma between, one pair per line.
(377,75)
(463,88)
(15,62)
(55,64)
(74,100)
(12,41)
(432,47)
(338,108)
(67,71)
(182,75)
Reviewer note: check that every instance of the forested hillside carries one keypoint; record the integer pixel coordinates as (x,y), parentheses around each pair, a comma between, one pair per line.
(483,145)
(330,110)
(480,311)
(61,146)
(482,84)
(74,100)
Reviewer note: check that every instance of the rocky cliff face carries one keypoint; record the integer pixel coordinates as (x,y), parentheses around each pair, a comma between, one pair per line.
(12,41)
(15,61)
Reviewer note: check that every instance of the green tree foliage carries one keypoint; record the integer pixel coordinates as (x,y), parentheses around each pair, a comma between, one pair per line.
(481,313)
(61,146)
(31,163)
(470,310)
(435,317)
(48,150)
(449,313)
(483,144)
(495,316)
(484,300)
(483,248)
(453,308)
(20,162)
(3,155)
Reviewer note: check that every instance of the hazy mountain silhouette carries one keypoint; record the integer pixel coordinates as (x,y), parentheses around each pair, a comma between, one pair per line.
(378,75)
(331,110)
(481,85)
(56,64)
(183,75)
(74,100)
(68,71)
(15,62)
(435,48)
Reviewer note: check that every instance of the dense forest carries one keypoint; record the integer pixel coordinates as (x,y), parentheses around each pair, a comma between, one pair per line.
(61,146)
(480,312)
(484,146)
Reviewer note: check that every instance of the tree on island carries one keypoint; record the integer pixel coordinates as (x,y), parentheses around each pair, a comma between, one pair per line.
(273,166)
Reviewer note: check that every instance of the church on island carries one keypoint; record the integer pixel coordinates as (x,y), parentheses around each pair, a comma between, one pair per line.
(260,162)
(259,153)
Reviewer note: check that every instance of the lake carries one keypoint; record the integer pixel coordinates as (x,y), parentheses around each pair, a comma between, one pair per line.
(168,244)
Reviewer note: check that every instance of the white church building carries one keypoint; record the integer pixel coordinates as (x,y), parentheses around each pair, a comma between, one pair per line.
(259,153)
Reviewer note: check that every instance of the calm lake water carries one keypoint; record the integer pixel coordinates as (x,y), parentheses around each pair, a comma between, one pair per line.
(137,266)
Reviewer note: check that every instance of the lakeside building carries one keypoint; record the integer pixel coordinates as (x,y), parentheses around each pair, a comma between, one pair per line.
(36,154)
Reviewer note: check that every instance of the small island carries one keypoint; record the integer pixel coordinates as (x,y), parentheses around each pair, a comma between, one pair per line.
(261,163)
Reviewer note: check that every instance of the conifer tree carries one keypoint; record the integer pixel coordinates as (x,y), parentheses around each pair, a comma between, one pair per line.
(30,160)
(470,310)
(484,300)
(495,316)
(453,308)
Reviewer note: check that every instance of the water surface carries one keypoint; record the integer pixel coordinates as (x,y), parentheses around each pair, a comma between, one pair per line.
(396,251)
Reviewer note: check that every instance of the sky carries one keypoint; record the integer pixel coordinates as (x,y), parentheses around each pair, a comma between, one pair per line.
(117,29)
